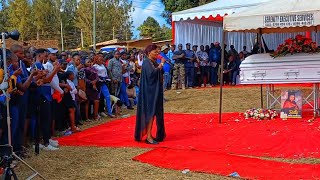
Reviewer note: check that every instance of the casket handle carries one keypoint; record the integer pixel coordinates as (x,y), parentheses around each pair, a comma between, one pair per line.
(261,74)
(292,73)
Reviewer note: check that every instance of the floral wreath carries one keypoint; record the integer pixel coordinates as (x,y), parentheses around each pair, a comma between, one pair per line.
(299,44)
(261,114)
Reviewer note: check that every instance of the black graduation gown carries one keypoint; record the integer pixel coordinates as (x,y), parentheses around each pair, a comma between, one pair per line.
(150,101)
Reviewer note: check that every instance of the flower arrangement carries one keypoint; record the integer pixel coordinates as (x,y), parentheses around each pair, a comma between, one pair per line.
(299,44)
(260,114)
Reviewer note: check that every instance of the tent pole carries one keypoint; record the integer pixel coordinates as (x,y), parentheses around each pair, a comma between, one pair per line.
(221,75)
(260,49)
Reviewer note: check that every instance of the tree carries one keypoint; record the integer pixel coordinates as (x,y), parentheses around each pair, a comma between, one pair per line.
(179,5)
(113,20)
(84,20)
(46,18)
(19,17)
(3,15)
(166,33)
(150,28)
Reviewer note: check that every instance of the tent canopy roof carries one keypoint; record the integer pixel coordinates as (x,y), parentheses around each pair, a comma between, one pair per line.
(277,16)
(216,8)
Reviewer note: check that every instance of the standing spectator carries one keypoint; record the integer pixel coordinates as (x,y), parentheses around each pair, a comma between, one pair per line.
(44,98)
(74,66)
(139,63)
(207,49)
(233,52)
(125,81)
(52,58)
(23,103)
(172,61)
(17,122)
(166,66)
(197,72)
(179,69)
(70,101)
(115,68)
(132,64)
(204,62)
(103,80)
(189,66)
(215,61)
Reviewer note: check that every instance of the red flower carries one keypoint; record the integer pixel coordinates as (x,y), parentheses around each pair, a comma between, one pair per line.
(300,37)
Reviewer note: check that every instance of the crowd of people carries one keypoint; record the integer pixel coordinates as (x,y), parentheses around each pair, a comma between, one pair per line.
(193,67)
(53,91)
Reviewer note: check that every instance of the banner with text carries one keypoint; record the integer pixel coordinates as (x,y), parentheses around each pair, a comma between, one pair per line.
(288,20)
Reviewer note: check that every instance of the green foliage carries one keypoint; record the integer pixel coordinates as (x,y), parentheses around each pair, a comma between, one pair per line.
(150,28)
(42,19)
(46,18)
(19,17)
(179,5)
(113,20)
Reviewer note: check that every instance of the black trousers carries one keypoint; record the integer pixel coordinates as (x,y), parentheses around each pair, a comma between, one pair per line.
(45,119)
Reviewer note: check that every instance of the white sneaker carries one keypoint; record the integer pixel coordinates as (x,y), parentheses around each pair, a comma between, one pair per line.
(202,85)
(104,115)
(50,148)
(53,143)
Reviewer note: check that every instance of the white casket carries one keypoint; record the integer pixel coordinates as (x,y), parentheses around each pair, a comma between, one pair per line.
(264,69)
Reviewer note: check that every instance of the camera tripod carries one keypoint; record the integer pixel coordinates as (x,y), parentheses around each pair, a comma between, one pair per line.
(10,155)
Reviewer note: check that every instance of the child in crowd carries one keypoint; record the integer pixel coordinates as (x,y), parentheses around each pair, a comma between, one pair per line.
(70,100)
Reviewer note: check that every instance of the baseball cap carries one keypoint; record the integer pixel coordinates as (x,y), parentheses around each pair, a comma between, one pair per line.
(188,44)
(52,51)
(216,43)
(164,47)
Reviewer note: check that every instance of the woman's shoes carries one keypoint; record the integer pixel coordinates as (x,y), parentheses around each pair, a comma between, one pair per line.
(153,142)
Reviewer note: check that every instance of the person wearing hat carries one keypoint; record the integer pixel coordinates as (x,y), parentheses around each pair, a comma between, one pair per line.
(189,65)
(179,69)
(166,66)
(55,85)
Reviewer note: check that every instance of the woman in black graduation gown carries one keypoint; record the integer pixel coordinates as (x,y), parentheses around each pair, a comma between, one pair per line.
(150,99)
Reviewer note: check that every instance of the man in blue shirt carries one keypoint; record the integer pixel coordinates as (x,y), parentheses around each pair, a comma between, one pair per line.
(189,65)
(44,98)
(166,67)
(215,61)
(19,88)
(172,61)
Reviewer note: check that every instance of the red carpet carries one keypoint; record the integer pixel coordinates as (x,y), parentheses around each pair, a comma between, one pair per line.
(224,164)
(277,138)
(198,142)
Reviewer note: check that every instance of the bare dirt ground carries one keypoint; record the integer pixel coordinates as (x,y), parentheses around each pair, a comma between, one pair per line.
(116,163)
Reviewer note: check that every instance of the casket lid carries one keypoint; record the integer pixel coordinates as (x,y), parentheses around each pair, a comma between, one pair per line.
(266,59)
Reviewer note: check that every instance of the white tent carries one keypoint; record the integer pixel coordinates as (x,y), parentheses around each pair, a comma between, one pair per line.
(274,17)
(277,16)
(203,24)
